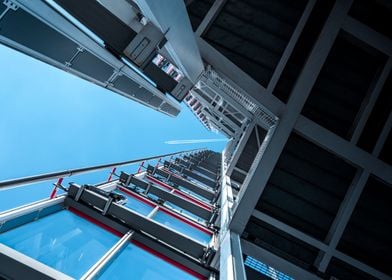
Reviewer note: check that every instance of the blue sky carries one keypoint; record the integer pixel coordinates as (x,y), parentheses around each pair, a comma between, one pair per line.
(51,120)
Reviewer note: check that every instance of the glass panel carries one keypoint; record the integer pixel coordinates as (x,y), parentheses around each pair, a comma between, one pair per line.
(135,263)
(71,248)
(180,226)
(137,205)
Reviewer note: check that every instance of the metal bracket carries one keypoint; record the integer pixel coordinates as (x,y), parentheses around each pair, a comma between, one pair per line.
(2,223)
(38,213)
(128,180)
(207,256)
(107,205)
(79,50)
(79,193)
(10,6)
(147,189)
(168,177)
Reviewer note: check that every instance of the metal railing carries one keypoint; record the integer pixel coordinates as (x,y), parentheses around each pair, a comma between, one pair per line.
(78,171)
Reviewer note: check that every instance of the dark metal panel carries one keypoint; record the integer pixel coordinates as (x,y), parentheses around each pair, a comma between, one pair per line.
(155,101)
(166,196)
(302,49)
(92,66)
(343,84)
(2,8)
(280,243)
(375,14)
(107,26)
(126,85)
(368,234)
(23,28)
(166,107)
(206,172)
(181,182)
(339,270)
(199,178)
(306,187)
(386,152)
(13,269)
(164,82)
(197,10)
(249,152)
(184,204)
(189,173)
(254,34)
(378,117)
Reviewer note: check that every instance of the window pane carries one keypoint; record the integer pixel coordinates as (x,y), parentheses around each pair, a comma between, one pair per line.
(71,248)
(182,227)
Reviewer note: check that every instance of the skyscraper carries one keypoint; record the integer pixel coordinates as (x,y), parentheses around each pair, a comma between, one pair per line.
(301,88)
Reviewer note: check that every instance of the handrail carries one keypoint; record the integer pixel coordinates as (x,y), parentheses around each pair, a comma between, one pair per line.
(77,171)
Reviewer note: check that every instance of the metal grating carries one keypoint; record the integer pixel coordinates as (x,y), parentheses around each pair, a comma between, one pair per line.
(211,77)
(266,269)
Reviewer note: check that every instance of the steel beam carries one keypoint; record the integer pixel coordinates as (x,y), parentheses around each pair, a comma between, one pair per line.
(209,18)
(342,218)
(172,18)
(240,147)
(383,136)
(265,161)
(290,47)
(368,35)
(375,92)
(222,64)
(343,148)
(290,230)
(55,20)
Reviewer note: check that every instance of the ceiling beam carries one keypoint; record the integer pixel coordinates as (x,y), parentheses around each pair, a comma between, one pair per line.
(266,159)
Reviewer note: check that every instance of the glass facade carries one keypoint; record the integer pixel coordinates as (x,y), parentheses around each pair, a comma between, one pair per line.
(136,263)
(71,248)
(73,243)
(180,226)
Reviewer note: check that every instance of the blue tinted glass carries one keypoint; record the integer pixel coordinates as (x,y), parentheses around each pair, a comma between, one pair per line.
(182,227)
(136,263)
(137,205)
(63,241)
